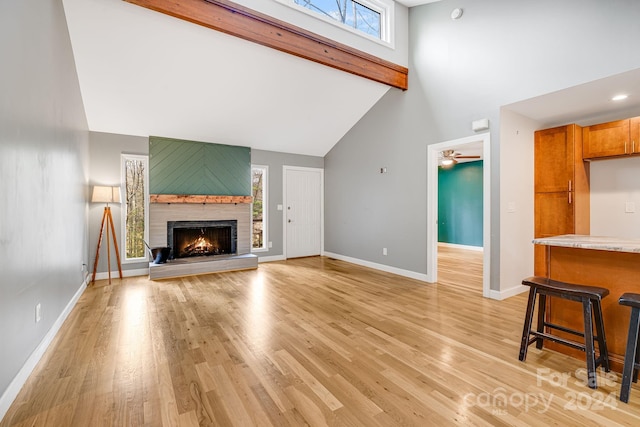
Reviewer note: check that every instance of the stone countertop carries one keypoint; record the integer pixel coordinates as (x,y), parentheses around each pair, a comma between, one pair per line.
(601,243)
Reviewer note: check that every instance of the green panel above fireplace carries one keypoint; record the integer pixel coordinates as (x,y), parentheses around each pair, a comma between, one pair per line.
(190,167)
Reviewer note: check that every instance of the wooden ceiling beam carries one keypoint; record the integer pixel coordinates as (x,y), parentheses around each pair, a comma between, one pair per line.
(248,24)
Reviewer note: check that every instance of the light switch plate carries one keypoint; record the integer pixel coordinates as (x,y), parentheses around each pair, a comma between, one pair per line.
(629,207)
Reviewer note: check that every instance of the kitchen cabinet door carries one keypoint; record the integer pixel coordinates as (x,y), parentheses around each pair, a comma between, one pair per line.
(606,140)
(554,214)
(634,134)
(554,159)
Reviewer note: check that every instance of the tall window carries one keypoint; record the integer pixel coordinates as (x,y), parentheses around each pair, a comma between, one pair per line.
(371,17)
(259,208)
(135,207)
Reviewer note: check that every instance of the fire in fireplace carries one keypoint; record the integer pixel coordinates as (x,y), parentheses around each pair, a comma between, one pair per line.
(202,238)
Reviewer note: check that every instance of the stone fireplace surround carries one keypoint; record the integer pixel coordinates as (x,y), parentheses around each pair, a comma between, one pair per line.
(161,213)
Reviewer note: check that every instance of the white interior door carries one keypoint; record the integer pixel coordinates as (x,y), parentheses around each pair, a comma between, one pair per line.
(303,211)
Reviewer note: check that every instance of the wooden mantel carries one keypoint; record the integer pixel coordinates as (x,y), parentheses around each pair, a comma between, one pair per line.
(236,20)
(198,198)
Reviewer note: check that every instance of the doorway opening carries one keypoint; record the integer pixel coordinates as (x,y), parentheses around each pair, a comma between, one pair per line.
(433,155)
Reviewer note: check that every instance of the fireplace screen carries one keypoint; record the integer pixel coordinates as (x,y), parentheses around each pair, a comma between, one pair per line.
(201,238)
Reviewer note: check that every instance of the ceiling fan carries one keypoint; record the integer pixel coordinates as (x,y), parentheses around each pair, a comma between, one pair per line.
(449,157)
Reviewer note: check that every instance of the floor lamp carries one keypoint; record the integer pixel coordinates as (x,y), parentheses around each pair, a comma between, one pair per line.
(106,195)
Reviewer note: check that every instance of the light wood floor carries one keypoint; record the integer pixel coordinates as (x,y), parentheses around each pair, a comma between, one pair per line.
(460,268)
(311,341)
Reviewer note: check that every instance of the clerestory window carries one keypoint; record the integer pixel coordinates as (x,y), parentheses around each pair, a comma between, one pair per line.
(370,17)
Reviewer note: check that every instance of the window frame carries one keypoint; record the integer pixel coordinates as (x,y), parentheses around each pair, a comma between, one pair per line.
(384,7)
(265,210)
(123,207)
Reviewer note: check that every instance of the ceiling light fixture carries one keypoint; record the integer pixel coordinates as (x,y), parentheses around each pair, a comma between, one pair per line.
(446,162)
(620,97)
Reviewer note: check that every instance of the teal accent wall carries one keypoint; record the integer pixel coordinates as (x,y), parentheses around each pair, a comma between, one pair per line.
(460,204)
(190,167)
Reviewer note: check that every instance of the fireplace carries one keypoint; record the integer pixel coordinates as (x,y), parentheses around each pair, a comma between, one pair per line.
(202,238)
(164,217)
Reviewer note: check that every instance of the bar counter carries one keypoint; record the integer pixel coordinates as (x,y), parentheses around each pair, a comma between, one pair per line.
(608,262)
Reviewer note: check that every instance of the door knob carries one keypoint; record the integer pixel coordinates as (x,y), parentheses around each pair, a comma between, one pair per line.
(289,221)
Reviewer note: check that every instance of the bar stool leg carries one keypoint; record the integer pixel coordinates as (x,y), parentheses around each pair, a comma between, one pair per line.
(528,319)
(588,343)
(630,355)
(635,368)
(542,307)
(602,340)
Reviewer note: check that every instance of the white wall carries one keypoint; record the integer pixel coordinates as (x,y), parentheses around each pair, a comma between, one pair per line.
(614,182)
(516,201)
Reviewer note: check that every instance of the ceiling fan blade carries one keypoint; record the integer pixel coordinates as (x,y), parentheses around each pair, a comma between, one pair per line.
(467,157)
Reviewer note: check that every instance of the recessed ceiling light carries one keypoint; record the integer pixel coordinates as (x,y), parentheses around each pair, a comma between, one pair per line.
(619,97)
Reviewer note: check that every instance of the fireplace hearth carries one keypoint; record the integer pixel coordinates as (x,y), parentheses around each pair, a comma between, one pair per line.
(165,218)
(202,238)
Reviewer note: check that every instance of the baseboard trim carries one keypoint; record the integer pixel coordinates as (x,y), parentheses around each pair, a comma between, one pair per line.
(19,380)
(125,273)
(386,268)
(467,247)
(271,258)
(508,293)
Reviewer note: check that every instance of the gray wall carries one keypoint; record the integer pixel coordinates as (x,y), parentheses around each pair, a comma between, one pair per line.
(501,51)
(104,153)
(105,150)
(276,161)
(43,177)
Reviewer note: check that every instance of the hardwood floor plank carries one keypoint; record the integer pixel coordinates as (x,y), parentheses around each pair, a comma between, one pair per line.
(227,398)
(311,341)
(303,375)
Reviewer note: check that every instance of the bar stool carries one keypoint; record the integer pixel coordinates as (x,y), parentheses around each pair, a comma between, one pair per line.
(631,355)
(590,297)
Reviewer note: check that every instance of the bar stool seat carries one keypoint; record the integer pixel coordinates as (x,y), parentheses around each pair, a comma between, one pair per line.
(590,297)
(631,355)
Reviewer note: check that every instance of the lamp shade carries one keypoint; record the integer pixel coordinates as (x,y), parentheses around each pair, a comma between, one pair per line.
(103,194)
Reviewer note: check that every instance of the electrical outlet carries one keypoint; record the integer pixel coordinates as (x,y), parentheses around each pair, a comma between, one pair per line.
(270,244)
(38,312)
(384,251)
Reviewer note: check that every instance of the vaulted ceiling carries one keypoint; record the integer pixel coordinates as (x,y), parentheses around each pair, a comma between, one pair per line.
(144,73)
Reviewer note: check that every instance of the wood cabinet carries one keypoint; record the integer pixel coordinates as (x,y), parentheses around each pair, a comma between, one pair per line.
(612,139)
(634,134)
(616,271)
(561,186)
